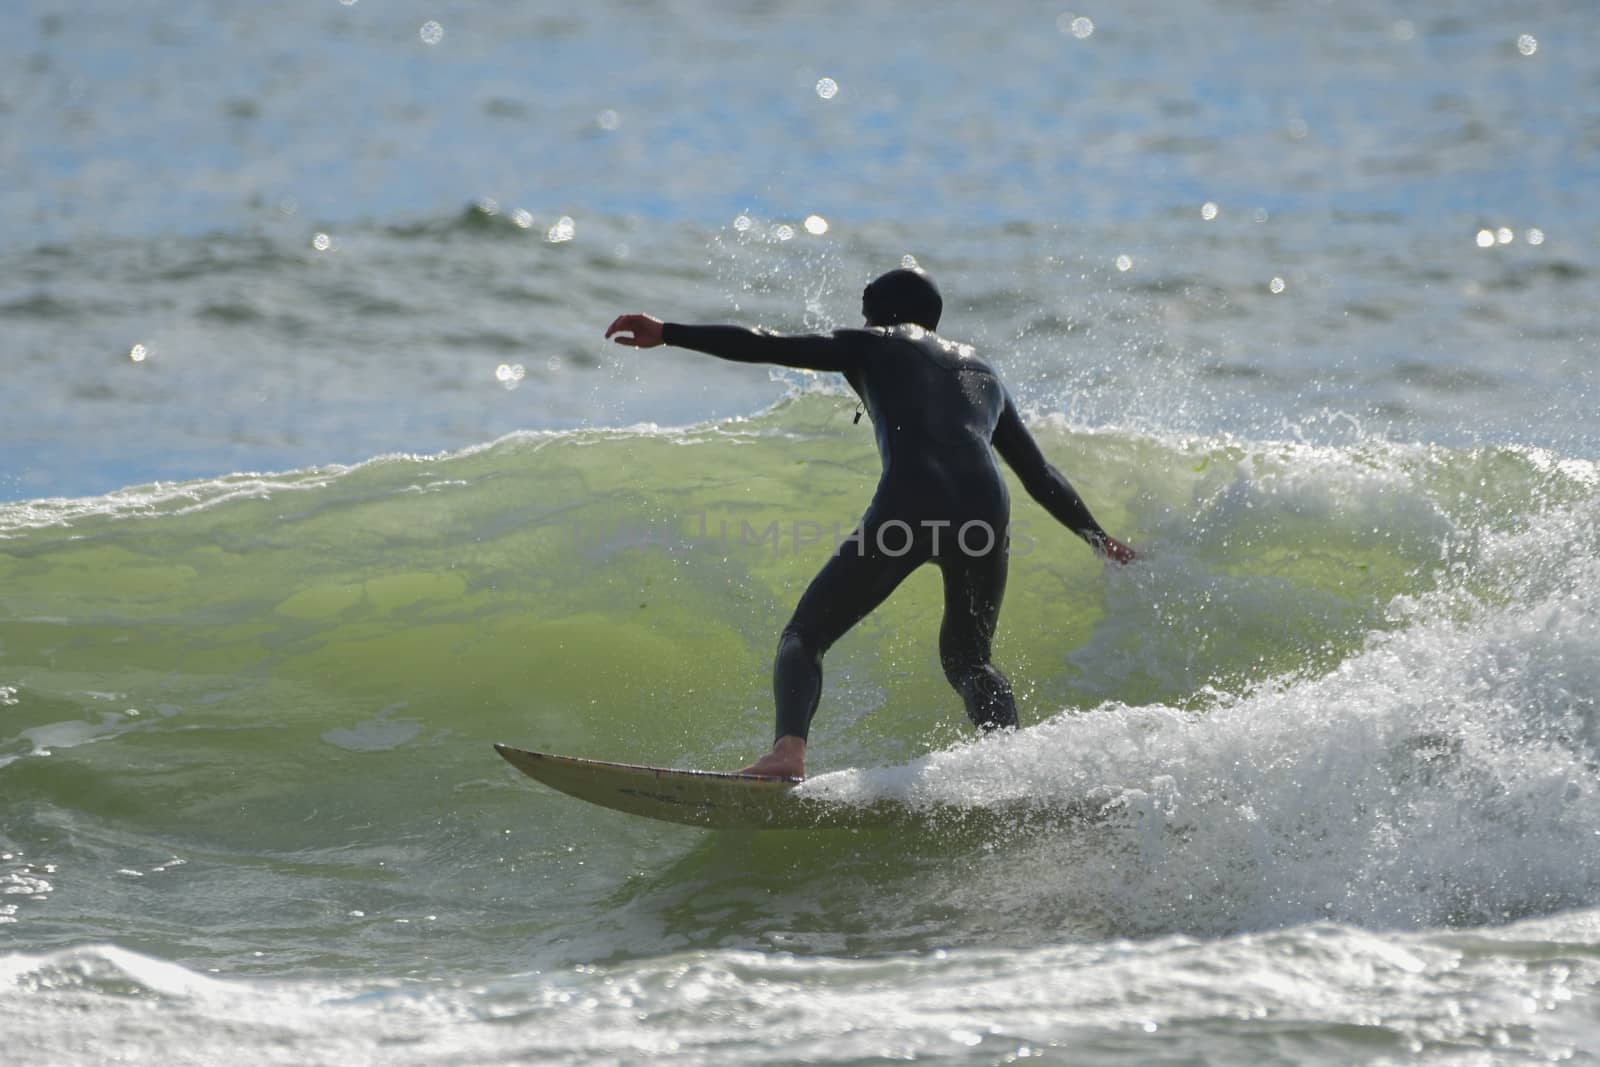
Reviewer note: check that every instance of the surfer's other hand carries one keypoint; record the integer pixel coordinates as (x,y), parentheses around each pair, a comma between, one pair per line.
(1111,548)
(637,331)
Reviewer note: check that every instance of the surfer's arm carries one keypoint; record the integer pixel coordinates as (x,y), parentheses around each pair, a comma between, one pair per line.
(1049,486)
(810,351)
(823,352)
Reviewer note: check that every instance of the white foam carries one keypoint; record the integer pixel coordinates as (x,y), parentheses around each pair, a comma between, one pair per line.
(1445,773)
(1313,987)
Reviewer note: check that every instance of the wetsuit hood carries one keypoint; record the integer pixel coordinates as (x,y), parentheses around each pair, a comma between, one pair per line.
(903,295)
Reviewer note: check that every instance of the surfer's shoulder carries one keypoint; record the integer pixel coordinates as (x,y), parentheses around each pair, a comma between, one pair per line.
(861,335)
(878,336)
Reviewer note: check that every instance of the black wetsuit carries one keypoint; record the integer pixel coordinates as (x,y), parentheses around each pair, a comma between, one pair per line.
(936,409)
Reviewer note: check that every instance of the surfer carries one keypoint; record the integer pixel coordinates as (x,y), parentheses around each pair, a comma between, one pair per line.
(939,413)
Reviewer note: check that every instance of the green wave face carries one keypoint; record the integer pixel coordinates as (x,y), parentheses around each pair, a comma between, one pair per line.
(299,676)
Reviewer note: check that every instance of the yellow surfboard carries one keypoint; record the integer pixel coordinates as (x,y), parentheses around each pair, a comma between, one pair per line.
(696,798)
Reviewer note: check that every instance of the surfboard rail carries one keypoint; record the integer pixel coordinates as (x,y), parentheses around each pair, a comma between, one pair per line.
(716,799)
(730,801)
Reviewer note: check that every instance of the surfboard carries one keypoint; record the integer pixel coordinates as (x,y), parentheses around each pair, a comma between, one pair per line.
(714,799)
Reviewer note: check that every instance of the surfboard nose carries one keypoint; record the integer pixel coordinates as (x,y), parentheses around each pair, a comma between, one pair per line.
(695,798)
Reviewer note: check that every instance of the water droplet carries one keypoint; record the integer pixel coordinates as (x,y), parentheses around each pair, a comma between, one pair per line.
(487,205)
(1504,235)
(1534,236)
(827,88)
(1277,285)
(1299,129)
(1485,238)
(431,32)
(553,363)
(510,375)
(783,232)
(564,230)
(608,119)
(522,218)
(908,261)
(138,353)
(322,242)
(1077,25)
(1527,44)
(816,225)
(1208,210)
(348,3)
(743,223)
(1124,262)
(1405,30)
(1261,215)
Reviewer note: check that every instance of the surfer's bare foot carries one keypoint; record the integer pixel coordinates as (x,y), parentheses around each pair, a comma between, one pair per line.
(786,760)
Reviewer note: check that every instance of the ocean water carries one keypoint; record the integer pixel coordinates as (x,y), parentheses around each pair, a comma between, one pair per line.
(317,478)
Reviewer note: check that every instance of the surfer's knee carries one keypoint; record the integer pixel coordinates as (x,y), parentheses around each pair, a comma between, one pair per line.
(797,642)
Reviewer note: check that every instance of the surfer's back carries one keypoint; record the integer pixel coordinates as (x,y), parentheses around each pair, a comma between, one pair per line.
(924,392)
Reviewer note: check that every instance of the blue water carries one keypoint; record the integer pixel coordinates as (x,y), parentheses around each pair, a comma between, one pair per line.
(316,478)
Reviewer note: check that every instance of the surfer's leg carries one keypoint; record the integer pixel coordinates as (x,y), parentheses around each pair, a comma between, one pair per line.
(974,585)
(858,578)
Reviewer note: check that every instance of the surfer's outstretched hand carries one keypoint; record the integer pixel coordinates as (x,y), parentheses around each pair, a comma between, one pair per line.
(1111,548)
(638,331)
